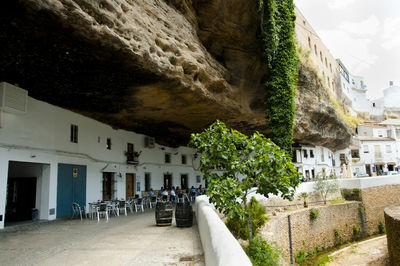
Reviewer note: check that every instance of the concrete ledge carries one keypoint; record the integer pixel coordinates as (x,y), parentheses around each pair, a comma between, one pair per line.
(367,182)
(392,222)
(219,245)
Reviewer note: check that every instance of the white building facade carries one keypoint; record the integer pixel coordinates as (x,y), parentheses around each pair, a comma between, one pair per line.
(51,157)
(317,161)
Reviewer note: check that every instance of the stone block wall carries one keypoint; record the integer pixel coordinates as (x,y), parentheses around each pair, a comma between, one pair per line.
(392,221)
(375,200)
(307,234)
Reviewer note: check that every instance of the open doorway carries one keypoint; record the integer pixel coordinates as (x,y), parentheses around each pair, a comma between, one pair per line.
(24,189)
(168,181)
(184,181)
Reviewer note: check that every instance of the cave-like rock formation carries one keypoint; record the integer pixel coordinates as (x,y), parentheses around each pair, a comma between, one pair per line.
(163,68)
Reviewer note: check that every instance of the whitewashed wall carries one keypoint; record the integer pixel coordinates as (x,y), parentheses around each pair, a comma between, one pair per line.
(42,135)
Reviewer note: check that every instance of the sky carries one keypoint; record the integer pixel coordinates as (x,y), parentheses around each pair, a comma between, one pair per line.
(364,34)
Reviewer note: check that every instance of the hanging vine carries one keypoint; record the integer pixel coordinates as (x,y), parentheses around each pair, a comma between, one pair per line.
(277,28)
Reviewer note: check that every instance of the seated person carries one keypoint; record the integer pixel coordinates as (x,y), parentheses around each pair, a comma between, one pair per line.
(151,192)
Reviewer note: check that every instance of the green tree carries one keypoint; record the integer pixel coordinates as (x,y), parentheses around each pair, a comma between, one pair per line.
(242,162)
(326,186)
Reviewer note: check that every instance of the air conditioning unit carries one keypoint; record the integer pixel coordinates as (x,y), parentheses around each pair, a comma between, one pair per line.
(148,142)
(12,98)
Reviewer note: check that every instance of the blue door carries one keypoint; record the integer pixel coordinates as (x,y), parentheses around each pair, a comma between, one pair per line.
(71,187)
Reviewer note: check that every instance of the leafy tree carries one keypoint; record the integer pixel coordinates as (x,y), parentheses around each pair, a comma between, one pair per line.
(238,226)
(242,162)
(326,186)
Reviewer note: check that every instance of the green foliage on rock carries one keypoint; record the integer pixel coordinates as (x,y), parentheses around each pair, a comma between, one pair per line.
(242,162)
(238,226)
(300,256)
(313,214)
(261,253)
(277,28)
(381,227)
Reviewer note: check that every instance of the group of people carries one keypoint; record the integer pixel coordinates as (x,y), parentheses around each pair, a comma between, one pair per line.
(173,193)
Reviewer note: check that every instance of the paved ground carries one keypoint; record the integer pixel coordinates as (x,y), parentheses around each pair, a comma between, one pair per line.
(370,252)
(131,240)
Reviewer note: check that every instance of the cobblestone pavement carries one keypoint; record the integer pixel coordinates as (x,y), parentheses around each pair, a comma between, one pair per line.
(123,240)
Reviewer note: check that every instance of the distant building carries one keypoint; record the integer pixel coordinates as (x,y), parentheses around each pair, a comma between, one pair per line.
(387,106)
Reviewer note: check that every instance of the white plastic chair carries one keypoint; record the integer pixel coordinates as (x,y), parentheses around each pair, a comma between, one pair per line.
(121,207)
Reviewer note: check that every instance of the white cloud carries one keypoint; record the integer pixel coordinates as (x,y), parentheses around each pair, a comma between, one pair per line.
(338,4)
(367,27)
(391,33)
(354,51)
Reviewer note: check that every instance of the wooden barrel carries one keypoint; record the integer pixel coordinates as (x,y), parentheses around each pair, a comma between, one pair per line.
(183,214)
(163,213)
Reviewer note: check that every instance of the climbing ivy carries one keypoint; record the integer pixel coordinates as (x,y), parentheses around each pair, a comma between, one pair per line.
(277,34)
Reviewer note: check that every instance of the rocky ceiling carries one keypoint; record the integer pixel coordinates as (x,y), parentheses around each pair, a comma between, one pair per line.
(162,68)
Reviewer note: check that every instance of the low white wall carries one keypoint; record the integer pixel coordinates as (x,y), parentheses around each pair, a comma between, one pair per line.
(219,245)
(367,182)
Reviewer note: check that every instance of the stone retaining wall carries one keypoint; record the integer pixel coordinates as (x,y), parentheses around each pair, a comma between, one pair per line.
(307,234)
(392,221)
(375,200)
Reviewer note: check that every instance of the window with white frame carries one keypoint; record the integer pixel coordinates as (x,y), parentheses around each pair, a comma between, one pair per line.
(322,155)
(366,148)
(380,134)
(388,148)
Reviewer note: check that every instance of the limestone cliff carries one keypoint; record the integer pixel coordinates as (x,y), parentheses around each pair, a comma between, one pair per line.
(163,68)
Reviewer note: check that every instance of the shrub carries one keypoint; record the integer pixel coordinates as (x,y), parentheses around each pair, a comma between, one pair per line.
(261,253)
(323,260)
(356,231)
(381,227)
(300,256)
(356,192)
(313,214)
(238,226)
(338,236)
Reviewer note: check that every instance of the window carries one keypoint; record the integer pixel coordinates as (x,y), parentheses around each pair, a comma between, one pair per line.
(388,149)
(315,49)
(313,173)
(355,154)
(183,159)
(311,154)
(322,155)
(108,145)
(373,104)
(380,134)
(305,153)
(129,152)
(320,55)
(326,62)
(74,134)
(309,42)
(147,181)
(167,158)
(389,133)
(366,149)
(308,173)
(398,133)
(330,66)
(329,83)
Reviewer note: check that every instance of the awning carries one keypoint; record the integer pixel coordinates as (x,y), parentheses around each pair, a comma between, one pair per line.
(379,163)
(391,163)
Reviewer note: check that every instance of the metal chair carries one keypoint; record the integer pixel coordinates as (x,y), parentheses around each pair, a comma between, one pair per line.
(121,207)
(138,204)
(102,209)
(78,210)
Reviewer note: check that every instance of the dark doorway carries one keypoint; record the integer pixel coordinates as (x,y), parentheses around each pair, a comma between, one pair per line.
(21,199)
(108,185)
(368,169)
(184,181)
(167,181)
